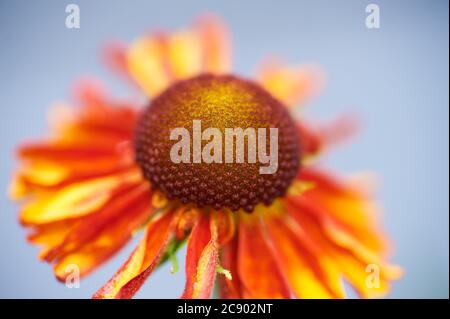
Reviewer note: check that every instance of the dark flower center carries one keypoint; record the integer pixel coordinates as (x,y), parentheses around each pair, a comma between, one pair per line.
(206,175)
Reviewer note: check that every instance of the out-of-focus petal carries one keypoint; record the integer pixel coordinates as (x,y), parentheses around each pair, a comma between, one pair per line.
(346,204)
(338,130)
(93,239)
(348,254)
(147,64)
(350,244)
(130,277)
(77,199)
(115,57)
(317,137)
(291,84)
(156,61)
(309,273)
(216,44)
(118,219)
(201,258)
(310,139)
(257,269)
(184,54)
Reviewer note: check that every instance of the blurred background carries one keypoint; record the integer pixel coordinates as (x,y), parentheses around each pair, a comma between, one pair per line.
(395,78)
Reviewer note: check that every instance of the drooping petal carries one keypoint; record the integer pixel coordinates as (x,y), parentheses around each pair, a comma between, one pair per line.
(257,269)
(201,258)
(346,204)
(95,238)
(353,246)
(114,223)
(188,219)
(51,234)
(77,199)
(93,141)
(226,226)
(309,273)
(230,288)
(130,277)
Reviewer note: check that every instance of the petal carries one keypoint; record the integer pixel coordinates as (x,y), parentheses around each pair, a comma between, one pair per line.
(344,250)
(310,139)
(42,175)
(77,199)
(184,54)
(226,226)
(346,204)
(130,277)
(201,258)
(114,55)
(338,130)
(94,239)
(188,219)
(230,288)
(257,268)
(147,64)
(291,84)
(216,44)
(51,234)
(112,224)
(309,273)
(156,61)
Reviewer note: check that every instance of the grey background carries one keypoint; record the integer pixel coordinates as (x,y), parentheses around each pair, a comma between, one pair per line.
(396,78)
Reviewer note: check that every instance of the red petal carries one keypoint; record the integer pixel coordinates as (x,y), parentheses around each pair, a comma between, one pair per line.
(201,258)
(230,289)
(130,277)
(257,268)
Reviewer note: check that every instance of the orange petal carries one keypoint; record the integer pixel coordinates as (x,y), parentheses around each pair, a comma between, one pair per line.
(216,44)
(52,234)
(130,277)
(147,64)
(346,205)
(230,288)
(292,85)
(309,273)
(311,141)
(201,258)
(100,112)
(226,225)
(156,61)
(77,199)
(184,54)
(114,55)
(257,268)
(94,239)
(344,250)
(188,219)
(339,129)
(118,219)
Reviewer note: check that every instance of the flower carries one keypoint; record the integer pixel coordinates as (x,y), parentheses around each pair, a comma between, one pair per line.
(102,176)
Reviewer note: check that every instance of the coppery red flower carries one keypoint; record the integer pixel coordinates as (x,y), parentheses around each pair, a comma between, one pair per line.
(103,175)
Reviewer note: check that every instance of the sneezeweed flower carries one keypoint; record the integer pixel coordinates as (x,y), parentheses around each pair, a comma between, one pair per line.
(105,174)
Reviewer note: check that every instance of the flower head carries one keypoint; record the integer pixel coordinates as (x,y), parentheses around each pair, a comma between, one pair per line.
(105,174)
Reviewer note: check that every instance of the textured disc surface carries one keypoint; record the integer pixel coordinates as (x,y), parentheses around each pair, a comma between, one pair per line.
(219,102)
